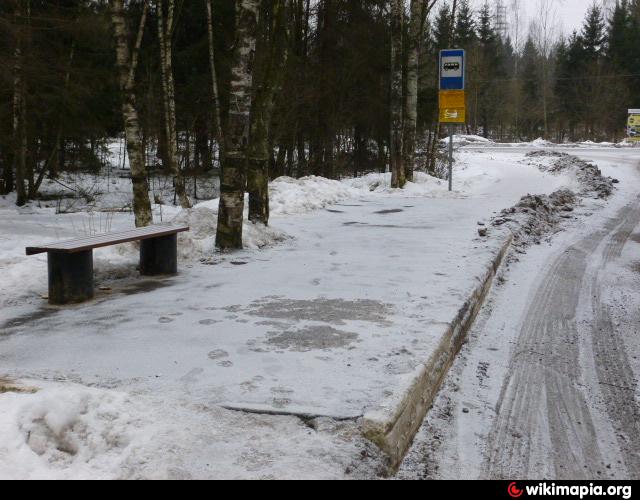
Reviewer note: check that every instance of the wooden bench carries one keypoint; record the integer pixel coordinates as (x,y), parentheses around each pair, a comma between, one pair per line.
(71,261)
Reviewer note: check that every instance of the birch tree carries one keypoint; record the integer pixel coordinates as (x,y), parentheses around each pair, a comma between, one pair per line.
(419,11)
(398,177)
(127,62)
(272,55)
(165,38)
(233,178)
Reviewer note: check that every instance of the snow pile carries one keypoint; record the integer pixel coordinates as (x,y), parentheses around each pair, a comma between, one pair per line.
(200,241)
(589,176)
(422,185)
(467,140)
(63,432)
(535,216)
(293,196)
(539,143)
(597,144)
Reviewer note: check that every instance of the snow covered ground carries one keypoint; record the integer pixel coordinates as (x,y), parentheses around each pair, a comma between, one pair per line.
(457,439)
(322,316)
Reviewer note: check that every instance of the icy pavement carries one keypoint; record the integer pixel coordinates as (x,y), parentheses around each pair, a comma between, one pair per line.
(325,323)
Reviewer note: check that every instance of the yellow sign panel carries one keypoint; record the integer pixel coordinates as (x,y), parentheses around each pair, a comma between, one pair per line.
(453,115)
(633,127)
(453,106)
(452,99)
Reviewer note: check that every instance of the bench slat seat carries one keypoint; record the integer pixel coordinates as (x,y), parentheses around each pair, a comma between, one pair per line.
(108,239)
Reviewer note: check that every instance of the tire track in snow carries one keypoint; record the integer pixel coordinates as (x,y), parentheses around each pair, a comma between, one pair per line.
(544,422)
(613,369)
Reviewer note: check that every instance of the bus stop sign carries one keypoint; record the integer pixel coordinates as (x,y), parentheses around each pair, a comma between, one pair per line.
(452,69)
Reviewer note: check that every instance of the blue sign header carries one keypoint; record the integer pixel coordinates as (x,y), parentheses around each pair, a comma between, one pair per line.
(452,69)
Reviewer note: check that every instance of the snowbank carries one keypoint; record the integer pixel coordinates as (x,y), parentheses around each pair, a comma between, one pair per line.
(62,432)
(292,196)
(466,140)
(590,180)
(422,185)
(535,217)
(539,143)
(200,241)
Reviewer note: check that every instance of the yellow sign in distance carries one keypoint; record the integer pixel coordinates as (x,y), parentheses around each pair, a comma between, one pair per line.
(634,127)
(453,108)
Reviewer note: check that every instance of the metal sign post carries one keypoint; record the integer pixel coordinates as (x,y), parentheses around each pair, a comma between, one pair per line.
(452,100)
(450,157)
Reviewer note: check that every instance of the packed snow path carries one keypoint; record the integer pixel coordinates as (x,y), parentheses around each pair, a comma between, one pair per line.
(548,385)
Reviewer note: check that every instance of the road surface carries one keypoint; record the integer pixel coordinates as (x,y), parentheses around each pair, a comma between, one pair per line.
(548,384)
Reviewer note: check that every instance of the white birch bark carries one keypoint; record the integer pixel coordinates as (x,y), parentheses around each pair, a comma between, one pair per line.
(126,62)
(234,167)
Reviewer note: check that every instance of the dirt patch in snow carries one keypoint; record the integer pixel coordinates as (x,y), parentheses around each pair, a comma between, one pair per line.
(536,216)
(311,338)
(336,311)
(7,385)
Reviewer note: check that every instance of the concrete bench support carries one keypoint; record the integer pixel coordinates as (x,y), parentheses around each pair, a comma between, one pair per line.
(159,256)
(70,277)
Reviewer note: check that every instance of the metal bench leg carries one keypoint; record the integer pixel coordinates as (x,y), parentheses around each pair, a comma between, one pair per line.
(159,256)
(70,277)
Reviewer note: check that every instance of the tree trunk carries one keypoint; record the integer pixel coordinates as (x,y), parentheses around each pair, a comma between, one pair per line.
(19,118)
(214,78)
(398,178)
(165,36)
(274,56)
(234,167)
(126,64)
(419,12)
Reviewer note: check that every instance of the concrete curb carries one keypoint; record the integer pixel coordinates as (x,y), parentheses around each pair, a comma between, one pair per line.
(393,426)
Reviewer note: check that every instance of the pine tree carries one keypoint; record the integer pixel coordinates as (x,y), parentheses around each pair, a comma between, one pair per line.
(464,33)
(531,92)
(618,33)
(490,67)
(442,29)
(593,33)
